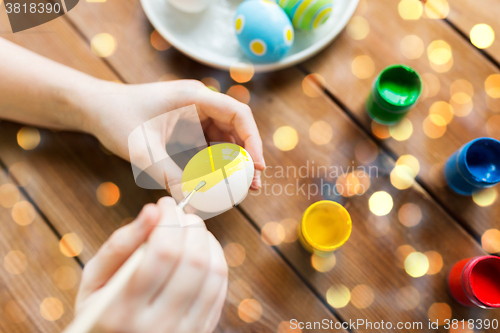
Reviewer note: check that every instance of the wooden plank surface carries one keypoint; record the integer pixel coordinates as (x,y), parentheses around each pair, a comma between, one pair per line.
(278,100)
(386,44)
(38,284)
(67,168)
(465,14)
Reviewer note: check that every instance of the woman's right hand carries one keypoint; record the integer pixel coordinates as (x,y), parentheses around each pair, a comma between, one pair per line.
(179,287)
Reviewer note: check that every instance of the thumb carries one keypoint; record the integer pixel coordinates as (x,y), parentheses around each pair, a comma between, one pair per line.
(116,250)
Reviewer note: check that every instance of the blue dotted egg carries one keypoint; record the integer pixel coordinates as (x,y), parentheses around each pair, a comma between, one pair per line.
(264,31)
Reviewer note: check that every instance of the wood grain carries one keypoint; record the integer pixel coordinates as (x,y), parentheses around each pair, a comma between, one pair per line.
(382,47)
(277,100)
(31,271)
(67,168)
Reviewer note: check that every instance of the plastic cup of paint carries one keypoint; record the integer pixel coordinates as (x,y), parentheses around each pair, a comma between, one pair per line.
(394,93)
(326,225)
(475,282)
(475,166)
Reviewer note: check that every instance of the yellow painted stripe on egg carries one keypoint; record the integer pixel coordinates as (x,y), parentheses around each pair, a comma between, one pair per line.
(301,10)
(211,158)
(320,16)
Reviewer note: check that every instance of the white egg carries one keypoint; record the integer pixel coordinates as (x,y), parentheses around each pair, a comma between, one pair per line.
(227,170)
(190,6)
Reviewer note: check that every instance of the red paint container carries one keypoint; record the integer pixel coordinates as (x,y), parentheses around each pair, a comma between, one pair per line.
(475,282)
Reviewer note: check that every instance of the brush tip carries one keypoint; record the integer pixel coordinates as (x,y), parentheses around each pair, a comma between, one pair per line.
(200,185)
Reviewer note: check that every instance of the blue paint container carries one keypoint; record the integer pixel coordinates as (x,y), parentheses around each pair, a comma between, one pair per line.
(475,166)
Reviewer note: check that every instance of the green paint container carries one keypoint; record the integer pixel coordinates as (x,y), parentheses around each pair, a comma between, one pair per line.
(394,93)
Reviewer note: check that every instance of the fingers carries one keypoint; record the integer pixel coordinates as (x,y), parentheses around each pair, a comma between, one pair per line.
(162,253)
(122,243)
(200,316)
(186,283)
(227,110)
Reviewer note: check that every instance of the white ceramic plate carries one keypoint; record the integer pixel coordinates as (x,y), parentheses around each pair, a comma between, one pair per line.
(209,36)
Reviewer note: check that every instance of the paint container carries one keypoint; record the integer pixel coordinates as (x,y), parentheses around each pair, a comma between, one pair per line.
(475,166)
(325,226)
(394,93)
(475,282)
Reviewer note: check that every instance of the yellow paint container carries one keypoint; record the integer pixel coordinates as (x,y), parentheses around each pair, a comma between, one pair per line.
(326,226)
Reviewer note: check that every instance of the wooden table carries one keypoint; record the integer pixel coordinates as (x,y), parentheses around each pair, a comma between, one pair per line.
(61,224)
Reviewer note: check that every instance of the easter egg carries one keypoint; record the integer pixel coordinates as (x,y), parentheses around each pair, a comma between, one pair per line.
(307,14)
(227,170)
(190,6)
(264,31)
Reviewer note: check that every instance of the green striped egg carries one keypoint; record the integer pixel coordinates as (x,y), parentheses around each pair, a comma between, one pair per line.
(307,14)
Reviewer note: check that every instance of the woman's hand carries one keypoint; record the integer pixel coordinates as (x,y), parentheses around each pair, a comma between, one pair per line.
(180,285)
(116,110)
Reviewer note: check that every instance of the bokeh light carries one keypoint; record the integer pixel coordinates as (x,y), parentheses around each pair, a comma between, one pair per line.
(51,308)
(284,327)
(273,233)
(241,73)
(362,67)
(239,93)
(402,177)
(23,213)
(407,298)
(412,47)
(235,254)
(410,9)
(250,310)
(378,226)
(21,172)
(416,264)
(108,194)
(461,104)
(402,130)
(9,195)
(158,42)
(238,290)
(323,264)
(285,138)
(435,262)
(65,277)
(443,109)
(486,197)
(71,245)
(380,131)
(347,185)
(103,45)
(28,138)
(490,241)
(410,215)
(313,85)
(437,9)
(15,262)
(321,132)
(211,83)
(461,85)
(440,56)
(380,203)
(362,296)
(431,85)
(15,312)
(358,28)
(439,312)
(290,226)
(439,52)
(410,161)
(434,126)
(492,85)
(482,36)
(402,253)
(366,151)
(338,296)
